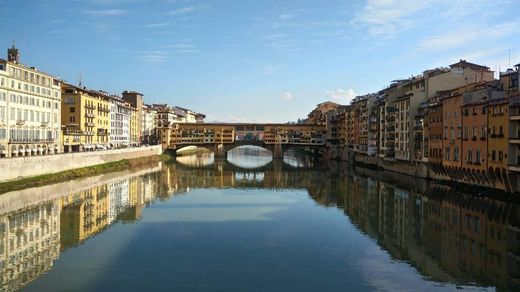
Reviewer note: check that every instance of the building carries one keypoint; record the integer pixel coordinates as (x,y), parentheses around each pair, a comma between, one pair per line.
(85,117)
(433,132)
(148,122)
(135,99)
(514,135)
(30,109)
(120,122)
(135,123)
(407,105)
(452,127)
(457,75)
(498,135)
(318,115)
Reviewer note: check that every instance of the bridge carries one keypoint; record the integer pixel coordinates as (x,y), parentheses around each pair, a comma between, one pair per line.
(223,137)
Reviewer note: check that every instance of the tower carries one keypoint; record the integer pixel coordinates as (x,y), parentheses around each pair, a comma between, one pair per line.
(13,55)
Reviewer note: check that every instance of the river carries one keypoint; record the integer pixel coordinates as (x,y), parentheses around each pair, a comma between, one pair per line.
(252,224)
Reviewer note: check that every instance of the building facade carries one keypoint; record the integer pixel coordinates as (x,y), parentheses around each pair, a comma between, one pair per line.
(85,118)
(30,107)
(120,119)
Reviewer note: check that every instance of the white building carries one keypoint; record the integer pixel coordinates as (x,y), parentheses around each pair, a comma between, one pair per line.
(30,109)
(120,114)
(148,123)
(118,193)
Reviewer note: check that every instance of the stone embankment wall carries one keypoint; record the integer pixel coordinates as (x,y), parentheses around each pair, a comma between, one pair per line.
(21,167)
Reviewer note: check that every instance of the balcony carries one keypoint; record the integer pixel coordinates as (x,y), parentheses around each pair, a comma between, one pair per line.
(102,132)
(72,132)
(89,133)
(30,140)
(88,124)
(20,122)
(87,106)
(89,115)
(103,109)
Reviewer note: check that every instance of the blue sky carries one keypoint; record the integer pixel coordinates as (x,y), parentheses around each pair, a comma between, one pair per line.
(255,60)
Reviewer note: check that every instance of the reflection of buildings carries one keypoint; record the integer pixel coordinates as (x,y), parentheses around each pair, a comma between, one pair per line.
(29,243)
(83,214)
(34,225)
(448,235)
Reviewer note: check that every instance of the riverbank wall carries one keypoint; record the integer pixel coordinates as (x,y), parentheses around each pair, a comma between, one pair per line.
(509,182)
(23,167)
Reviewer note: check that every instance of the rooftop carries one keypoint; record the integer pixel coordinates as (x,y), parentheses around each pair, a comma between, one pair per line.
(465,64)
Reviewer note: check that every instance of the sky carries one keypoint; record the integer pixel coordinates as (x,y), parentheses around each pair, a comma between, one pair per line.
(255,60)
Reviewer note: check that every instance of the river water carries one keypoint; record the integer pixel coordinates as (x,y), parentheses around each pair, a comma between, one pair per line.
(251,224)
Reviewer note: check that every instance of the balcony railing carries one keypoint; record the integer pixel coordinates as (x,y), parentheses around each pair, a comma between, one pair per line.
(88,124)
(30,140)
(89,115)
(103,109)
(90,106)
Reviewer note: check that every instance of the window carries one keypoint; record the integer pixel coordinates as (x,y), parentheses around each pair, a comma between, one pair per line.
(477,157)
(500,155)
(447,154)
(470,156)
(493,155)
(72,109)
(456,154)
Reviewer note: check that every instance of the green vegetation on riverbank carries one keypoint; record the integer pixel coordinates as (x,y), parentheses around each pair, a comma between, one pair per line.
(51,178)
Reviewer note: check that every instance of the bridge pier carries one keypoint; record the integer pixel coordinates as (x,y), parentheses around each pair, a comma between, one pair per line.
(220,151)
(277,151)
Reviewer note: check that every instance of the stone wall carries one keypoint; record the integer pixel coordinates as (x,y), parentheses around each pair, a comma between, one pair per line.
(21,167)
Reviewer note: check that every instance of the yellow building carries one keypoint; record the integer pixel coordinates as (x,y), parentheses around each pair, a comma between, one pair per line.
(498,128)
(134,127)
(83,214)
(85,118)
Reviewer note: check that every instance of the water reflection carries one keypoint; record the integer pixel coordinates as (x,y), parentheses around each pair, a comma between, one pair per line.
(446,235)
(249,157)
(200,159)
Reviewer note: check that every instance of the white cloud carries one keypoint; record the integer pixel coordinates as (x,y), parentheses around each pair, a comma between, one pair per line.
(387,17)
(153,57)
(465,36)
(155,25)
(183,10)
(187,9)
(287,95)
(341,95)
(106,12)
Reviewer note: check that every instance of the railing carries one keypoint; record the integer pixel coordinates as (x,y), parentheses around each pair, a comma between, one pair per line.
(102,109)
(29,140)
(88,124)
(90,106)
(89,115)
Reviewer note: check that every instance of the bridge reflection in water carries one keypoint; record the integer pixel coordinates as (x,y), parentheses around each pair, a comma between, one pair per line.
(448,236)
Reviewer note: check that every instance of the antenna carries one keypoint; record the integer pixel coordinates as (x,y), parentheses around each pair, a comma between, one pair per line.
(80,80)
